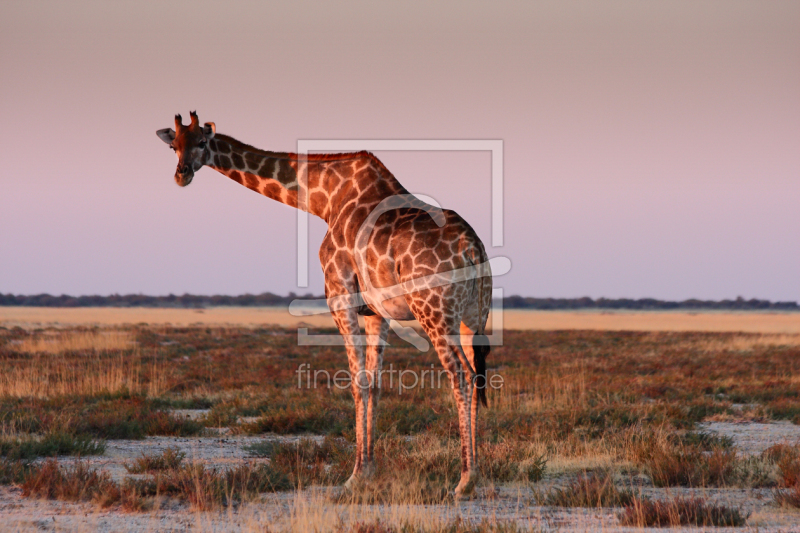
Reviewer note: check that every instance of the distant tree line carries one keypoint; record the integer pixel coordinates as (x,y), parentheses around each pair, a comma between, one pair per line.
(268,299)
(518,302)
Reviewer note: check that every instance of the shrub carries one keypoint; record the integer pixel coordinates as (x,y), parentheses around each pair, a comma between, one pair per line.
(456,526)
(13,471)
(79,483)
(788,498)
(707,441)
(307,463)
(510,461)
(680,512)
(210,488)
(594,489)
(52,444)
(315,421)
(671,462)
(169,459)
(133,419)
(787,459)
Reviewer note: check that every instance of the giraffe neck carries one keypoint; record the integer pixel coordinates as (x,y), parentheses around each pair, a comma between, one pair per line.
(273,174)
(329,181)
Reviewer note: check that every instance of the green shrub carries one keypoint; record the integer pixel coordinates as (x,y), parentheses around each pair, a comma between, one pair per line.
(51,445)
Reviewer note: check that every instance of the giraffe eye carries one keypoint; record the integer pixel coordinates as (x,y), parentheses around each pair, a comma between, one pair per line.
(202,145)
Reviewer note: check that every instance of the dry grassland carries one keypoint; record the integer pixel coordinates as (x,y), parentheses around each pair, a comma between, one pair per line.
(615,419)
(513,319)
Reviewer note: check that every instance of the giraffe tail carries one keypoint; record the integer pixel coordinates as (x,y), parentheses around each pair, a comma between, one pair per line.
(480,342)
(480,346)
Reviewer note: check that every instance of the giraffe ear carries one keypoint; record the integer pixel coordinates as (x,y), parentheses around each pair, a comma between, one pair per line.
(167,135)
(209,130)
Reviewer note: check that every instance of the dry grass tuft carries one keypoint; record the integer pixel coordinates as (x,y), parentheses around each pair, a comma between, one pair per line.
(787,459)
(79,483)
(57,376)
(75,341)
(457,525)
(694,462)
(748,343)
(169,459)
(209,488)
(78,363)
(680,512)
(594,489)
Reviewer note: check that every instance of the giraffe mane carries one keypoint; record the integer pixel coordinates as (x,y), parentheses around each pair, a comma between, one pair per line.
(239,145)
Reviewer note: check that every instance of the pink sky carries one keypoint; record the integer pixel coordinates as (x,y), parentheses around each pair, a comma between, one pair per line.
(652,149)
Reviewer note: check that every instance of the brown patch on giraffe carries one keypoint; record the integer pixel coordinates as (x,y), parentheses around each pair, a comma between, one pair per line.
(338,239)
(291,197)
(400,245)
(213,144)
(235,175)
(224,162)
(252,182)
(267,167)
(224,147)
(368,191)
(442,252)
(272,189)
(286,174)
(238,160)
(372,256)
(416,246)
(406,264)
(318,202)
(252,161)
(343,257)
(380,240)
(426,257)
(330,181)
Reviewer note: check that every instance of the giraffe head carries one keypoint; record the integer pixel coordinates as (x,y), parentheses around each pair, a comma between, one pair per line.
(190,143)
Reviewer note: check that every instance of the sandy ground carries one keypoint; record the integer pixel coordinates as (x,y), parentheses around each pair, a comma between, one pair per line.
(755,322)
(307,509)
(752,438)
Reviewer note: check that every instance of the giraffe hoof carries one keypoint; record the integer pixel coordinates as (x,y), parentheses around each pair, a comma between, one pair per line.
(354,481)
(466,487)
(462,497)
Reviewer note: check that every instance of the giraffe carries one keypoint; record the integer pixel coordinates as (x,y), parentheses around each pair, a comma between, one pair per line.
(422,250)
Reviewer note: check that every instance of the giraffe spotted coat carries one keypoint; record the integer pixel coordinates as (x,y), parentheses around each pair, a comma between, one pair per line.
(394,265)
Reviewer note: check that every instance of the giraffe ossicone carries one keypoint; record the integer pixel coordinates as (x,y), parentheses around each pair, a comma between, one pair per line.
(387,256)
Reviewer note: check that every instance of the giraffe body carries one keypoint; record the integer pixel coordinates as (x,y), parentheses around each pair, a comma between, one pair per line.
(386,255)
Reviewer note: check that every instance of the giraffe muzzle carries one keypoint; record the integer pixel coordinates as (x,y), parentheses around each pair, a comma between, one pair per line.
(183,176)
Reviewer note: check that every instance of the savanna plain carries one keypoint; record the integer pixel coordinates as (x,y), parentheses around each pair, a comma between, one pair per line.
(197,426)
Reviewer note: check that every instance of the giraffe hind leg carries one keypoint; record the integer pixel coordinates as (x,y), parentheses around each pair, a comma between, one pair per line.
(442,327)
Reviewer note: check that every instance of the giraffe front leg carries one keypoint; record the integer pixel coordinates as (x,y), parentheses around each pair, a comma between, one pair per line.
(377,329)
(463,389)
(347,322)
